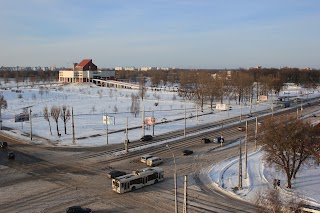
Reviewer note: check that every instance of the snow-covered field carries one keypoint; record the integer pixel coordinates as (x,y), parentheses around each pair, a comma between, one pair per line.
(90,103)
(260,178)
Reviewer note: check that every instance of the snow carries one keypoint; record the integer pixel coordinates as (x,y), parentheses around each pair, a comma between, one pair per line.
(90,103)
(260,177)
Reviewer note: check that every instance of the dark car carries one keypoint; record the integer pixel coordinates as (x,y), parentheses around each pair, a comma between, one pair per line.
(206,140)
(78,209)
(11,156)
(187,152)
(248,116)
(116,173)
(3,144)
(146,138)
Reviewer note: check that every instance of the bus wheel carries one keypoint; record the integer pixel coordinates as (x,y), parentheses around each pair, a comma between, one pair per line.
(156,181)
(133,188)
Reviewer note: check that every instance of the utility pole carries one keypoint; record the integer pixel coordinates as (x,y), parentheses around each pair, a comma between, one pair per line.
(185,195)
(246,152)
(142,118)
(127,137)
(107,129)
(185,119)
(197,113)
(175,181)
(154,123)
(240,110)
(30,124)
(221,136)
(240,167)
(255,135)
(73,133)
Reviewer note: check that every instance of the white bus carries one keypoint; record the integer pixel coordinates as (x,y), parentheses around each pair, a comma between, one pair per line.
(137,179)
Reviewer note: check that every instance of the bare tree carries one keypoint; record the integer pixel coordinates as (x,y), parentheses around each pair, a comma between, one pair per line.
(3,105)
(41,91)
(93,109)
(65,116)
(287,144)
(135,105)
(46,116)
(34,97)
(115,109)
(270,201)
(55,113)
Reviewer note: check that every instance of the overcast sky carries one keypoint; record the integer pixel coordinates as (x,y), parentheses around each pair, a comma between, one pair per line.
(165,33)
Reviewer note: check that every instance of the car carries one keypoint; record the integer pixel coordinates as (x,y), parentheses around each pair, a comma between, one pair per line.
(78,209)
(116,173)
(206,140)
(3,144)
(144,158)
(248,116)
(241,128)
(146,138)
(187,152)
(11,156)
(154,161)
(314,115)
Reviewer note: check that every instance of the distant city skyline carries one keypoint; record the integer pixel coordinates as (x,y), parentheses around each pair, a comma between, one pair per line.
(204,34)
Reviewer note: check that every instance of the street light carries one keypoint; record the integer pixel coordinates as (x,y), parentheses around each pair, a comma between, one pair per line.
(175,182)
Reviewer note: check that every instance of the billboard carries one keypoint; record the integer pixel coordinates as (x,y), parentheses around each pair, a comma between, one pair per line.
(109,120)
(263,98)
(221,106)
(21,117)
(150,121)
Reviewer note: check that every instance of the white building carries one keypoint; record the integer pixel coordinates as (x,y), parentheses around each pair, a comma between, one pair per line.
(85,71)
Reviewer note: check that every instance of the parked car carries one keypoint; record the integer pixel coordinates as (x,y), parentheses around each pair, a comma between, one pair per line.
(187,152)
(11,156)
(78,209)
(248,116)
(206,140)
(241,128)
(314,115)
(3,144)
(146,138)
(116,173)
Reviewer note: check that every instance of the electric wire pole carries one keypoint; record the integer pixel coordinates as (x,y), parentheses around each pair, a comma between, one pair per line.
(240,167)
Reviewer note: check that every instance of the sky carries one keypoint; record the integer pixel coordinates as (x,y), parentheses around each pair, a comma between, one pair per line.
(212,34)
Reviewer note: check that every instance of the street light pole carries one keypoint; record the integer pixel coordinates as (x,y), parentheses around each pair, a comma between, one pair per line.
(185,119)
(175,181)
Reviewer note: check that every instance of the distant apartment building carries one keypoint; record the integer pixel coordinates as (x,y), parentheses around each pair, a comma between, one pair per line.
(130,68)
(147,68)
(85,71)
(118,68)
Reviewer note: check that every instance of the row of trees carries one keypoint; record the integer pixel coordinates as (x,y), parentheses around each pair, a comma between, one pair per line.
(215,85)
(57,112)
(29,76)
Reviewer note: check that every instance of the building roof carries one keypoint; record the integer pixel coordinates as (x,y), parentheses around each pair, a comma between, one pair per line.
(84,62)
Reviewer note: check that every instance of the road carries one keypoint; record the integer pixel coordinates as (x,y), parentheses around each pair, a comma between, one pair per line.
(49,179)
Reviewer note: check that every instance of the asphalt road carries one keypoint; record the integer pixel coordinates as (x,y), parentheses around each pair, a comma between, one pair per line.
(49,179)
